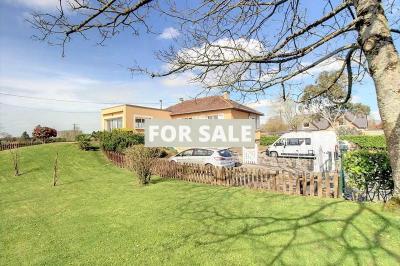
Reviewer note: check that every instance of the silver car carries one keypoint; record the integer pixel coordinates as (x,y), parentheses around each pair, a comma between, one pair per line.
(215,157)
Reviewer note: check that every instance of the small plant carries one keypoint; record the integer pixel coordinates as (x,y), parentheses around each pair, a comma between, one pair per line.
(55,171)
(141,160)
(15,159)
(84,141)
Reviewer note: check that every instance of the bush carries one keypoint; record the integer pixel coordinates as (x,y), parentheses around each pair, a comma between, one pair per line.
(369,174)
(119,140)
(141,160)
(44,133)
(268,140)
(84,141)
(367,142)
(51,140)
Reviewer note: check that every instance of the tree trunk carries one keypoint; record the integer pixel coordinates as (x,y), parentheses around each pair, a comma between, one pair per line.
(374,37)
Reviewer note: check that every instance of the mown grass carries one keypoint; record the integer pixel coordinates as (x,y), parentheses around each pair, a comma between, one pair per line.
(100,215)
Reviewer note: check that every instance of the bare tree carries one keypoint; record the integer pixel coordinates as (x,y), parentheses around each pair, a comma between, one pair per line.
(55,171)
(249,46)
(15,160)
(291,113)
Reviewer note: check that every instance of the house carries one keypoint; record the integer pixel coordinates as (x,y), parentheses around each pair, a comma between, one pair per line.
(347,120)
(211,107)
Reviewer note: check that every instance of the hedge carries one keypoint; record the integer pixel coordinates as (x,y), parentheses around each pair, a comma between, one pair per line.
(119,140)
(367,142)
(369,174)
(268,140)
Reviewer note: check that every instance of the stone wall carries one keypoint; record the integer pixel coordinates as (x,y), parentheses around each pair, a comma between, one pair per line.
(293,165)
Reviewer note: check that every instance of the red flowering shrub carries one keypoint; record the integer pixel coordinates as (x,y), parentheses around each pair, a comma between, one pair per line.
(44,133)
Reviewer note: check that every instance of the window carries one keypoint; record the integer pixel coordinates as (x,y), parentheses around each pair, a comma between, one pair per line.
(200,117)
(308,141)
(202,152)
(225,153)
(218,116)
(293,141)
(139,121)
(257,118)
(113,123)
(306,124)
(187,153)
(280,142)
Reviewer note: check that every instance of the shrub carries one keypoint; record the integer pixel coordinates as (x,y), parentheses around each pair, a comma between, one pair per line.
(50,140)
(44,133)
(119,140)
(141,160)
(367,142)
(268,140)
(369,174)
(84,141)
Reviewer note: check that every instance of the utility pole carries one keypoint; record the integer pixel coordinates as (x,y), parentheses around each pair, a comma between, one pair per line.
(161,104)
(75,128)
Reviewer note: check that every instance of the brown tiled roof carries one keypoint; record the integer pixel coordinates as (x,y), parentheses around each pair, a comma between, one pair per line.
(210,103)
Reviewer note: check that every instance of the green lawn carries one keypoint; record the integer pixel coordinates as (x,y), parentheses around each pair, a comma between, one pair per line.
(99,215)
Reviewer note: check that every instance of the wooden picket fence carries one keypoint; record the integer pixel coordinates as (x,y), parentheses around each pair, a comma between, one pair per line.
(305,183)
(16,145)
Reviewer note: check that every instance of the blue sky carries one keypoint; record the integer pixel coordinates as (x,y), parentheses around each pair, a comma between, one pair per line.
(90,73)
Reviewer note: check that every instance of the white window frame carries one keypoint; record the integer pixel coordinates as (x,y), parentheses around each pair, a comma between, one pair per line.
(106,121)
(142,117)
(199,117)
(217,116)
(257,118)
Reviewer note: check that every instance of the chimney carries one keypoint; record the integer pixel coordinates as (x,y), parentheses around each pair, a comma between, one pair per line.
(181,100)
(226,95)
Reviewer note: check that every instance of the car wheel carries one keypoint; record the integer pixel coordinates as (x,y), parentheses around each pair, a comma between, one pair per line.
(273,154)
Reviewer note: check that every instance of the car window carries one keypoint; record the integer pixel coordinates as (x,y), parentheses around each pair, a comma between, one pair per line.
(225,153)
(280,142)
(202,152)
(293,141)
(187,153)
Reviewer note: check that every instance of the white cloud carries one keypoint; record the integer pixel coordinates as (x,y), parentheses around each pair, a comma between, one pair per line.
(169,33)
(39,4)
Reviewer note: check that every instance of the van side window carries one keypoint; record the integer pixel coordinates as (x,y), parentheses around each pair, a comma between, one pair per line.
(293,141)
(308,141)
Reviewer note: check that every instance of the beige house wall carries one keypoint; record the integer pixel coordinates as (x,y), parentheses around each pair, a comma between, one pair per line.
(128,113)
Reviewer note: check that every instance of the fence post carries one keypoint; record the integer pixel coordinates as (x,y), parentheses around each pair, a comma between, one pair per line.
(312,184)
(327,185)
(320,185)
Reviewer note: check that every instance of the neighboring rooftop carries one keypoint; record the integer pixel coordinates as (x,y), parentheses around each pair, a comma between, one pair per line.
(209,103)
(360,121)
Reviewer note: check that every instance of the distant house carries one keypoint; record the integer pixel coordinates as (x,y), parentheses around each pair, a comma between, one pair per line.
(212,107)
(348,120)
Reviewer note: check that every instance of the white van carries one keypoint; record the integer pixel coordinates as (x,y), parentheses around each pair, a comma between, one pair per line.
(319,145)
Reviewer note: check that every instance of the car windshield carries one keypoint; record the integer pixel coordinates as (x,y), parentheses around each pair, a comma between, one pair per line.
(225,153)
